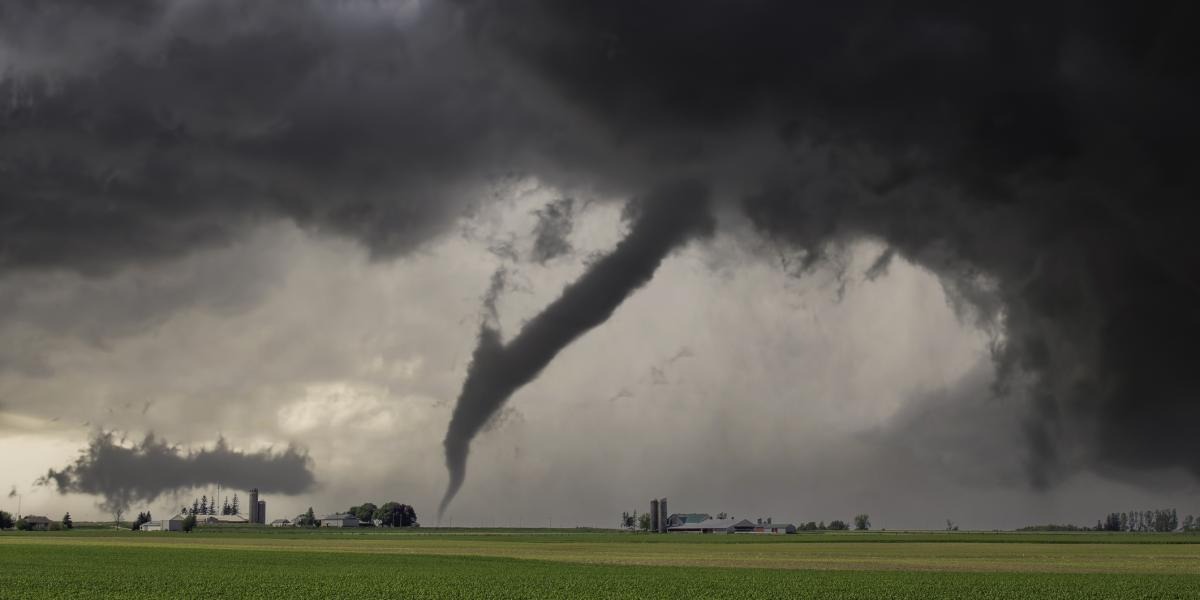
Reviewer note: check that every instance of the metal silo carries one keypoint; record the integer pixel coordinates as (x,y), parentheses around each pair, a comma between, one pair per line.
(654,516)
(254,505)
(662,515)
(262,511)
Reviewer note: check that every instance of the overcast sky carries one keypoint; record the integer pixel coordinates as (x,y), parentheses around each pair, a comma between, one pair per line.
(917,263)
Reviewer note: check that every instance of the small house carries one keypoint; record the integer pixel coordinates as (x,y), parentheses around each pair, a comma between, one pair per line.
(37,523)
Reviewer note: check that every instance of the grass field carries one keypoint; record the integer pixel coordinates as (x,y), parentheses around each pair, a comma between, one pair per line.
(363,564)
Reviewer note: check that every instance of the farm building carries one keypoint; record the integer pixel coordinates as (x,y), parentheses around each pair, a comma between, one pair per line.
(222,519)
(281,523)
(174,523)
(37,523)
(733,526)
(761,526)
(705,526)
(339,520)
(685,518)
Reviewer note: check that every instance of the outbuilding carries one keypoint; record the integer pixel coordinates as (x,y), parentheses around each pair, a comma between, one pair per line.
(281,523)
(174,523)
(339,520)
(37,523)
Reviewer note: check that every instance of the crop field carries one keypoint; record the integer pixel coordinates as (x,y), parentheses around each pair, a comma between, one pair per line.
(361,564)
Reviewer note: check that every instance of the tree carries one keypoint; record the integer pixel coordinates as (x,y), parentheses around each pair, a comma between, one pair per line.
(6,520)
(821,526)
(226,509)
(67,523)
(235,506)
(117,514)
(204,505)
(390,514)
(1189,522)
(644,522)
(838,525)
(23,525)
(627,521)
(195,507)
(364,512)
(409,519)
(722,515)
(141,518)
(862,522)
(189,523)
(310,519)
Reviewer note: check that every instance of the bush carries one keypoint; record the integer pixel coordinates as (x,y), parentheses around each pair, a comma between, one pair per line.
(23,525)
(6,520)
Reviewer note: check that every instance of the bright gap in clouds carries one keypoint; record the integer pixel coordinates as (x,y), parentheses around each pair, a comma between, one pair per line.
(722,368)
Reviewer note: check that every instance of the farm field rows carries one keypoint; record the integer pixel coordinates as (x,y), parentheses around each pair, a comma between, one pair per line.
(327,564)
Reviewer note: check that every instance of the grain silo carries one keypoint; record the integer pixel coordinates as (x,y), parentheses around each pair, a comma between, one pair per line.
(254,505)
(654,516)
(662,515)
(262,511)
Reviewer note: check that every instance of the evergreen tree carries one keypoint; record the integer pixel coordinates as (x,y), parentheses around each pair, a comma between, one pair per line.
(236,511)
(310,519)
(204,505)
(225,507)
(189,523)
(195,507)
(67,523)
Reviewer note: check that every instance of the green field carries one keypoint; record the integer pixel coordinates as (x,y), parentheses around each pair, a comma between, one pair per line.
(381,564)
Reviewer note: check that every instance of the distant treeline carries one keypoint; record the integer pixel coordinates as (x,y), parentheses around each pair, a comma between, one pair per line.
(1053,527)
(202,506)
(1160,520)
(1149,521)
(834,525)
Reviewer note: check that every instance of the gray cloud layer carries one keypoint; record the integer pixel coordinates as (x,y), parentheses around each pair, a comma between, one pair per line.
(1038,158)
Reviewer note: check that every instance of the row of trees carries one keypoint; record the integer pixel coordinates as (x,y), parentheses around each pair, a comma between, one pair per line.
(391,514)
(7,522)
(1159,520)
(632,521)
(203,507)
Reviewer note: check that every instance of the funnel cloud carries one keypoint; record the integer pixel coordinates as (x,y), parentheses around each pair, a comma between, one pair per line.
(661,222)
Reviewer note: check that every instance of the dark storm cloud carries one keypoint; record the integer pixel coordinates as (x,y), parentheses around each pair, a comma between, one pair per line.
(1039,157)
(124,474)
(181,124)
(662,221)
